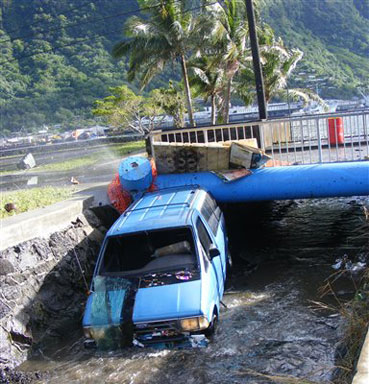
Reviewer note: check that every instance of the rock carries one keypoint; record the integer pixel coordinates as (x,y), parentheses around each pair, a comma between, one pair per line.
(9,207)
(4,310)
(6,267)
(74,181)
(8,375)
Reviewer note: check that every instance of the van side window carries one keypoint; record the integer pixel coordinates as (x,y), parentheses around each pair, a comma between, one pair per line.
(211,213)
(204,237)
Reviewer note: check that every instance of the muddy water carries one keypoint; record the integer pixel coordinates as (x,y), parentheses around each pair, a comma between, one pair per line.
(283,252)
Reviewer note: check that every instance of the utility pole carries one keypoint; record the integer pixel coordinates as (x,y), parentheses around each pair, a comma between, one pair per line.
(256,60)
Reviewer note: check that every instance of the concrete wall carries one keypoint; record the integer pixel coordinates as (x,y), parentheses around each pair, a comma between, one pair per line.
(362,368)
(41,222)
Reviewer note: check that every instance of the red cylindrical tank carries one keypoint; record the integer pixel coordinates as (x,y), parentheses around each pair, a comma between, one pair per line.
(335,130)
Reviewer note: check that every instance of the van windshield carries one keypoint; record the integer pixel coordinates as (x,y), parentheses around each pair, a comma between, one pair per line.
(147,252)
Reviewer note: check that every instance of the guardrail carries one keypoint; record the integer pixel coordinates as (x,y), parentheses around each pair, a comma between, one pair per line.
(324,138)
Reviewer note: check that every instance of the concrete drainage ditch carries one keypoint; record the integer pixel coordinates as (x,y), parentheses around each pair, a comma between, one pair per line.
(42,295)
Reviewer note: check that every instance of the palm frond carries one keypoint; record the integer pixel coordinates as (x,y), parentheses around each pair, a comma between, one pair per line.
(308,96)
(202,75)
(121,49)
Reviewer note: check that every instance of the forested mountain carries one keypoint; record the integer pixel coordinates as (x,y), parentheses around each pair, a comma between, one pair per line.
(334,35)
(75,66)
(75,37)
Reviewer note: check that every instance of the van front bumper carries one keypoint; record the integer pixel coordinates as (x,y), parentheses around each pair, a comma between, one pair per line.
(149,332)
(169,331)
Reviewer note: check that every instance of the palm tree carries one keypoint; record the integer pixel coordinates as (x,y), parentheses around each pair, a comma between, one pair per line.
(231,32)
(166,35)
(278,62)
(208,81)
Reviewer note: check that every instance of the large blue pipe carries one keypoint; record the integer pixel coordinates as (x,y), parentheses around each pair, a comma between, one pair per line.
(281,183)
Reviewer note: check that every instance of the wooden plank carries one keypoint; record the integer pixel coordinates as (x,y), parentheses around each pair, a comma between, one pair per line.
(249,142)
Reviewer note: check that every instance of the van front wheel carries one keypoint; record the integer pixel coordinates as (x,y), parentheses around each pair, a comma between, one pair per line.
(210,330)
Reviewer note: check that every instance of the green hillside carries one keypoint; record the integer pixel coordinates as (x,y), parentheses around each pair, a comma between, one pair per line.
(61,84)
(75,37)
(334,35)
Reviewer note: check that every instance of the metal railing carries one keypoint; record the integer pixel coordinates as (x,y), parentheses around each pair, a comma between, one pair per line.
(324,138)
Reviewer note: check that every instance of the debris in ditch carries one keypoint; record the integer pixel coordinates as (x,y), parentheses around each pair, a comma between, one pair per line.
(233,174)
(74,181)
(27,162)
(82,271)
(345,263)
(338,264)
(247,156)
(188,342)
(356,267)
(224,305)
(198,341)
(136,343)
(32,181)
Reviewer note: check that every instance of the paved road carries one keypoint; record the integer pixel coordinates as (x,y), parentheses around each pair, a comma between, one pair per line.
(42,158)
(87,177)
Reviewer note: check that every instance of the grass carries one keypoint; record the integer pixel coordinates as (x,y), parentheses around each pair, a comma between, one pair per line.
(67,165)
(356,313)
(105,154)
(29,199)
(125,149)
(4,173)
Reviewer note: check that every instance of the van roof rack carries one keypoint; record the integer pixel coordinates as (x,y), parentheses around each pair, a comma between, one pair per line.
(187,204)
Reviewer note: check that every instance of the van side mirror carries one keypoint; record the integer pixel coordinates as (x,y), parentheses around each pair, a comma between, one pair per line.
(213,252)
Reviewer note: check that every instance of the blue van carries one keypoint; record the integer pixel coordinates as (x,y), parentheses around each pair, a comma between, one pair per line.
(161,270)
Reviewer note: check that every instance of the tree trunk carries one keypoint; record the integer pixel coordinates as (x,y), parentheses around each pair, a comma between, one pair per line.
(148,145)
(187,91)
(227,100)
(213,110)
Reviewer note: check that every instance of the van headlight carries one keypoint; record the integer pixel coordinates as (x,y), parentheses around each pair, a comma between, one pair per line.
(194,324)
(95,333)
(87,332)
